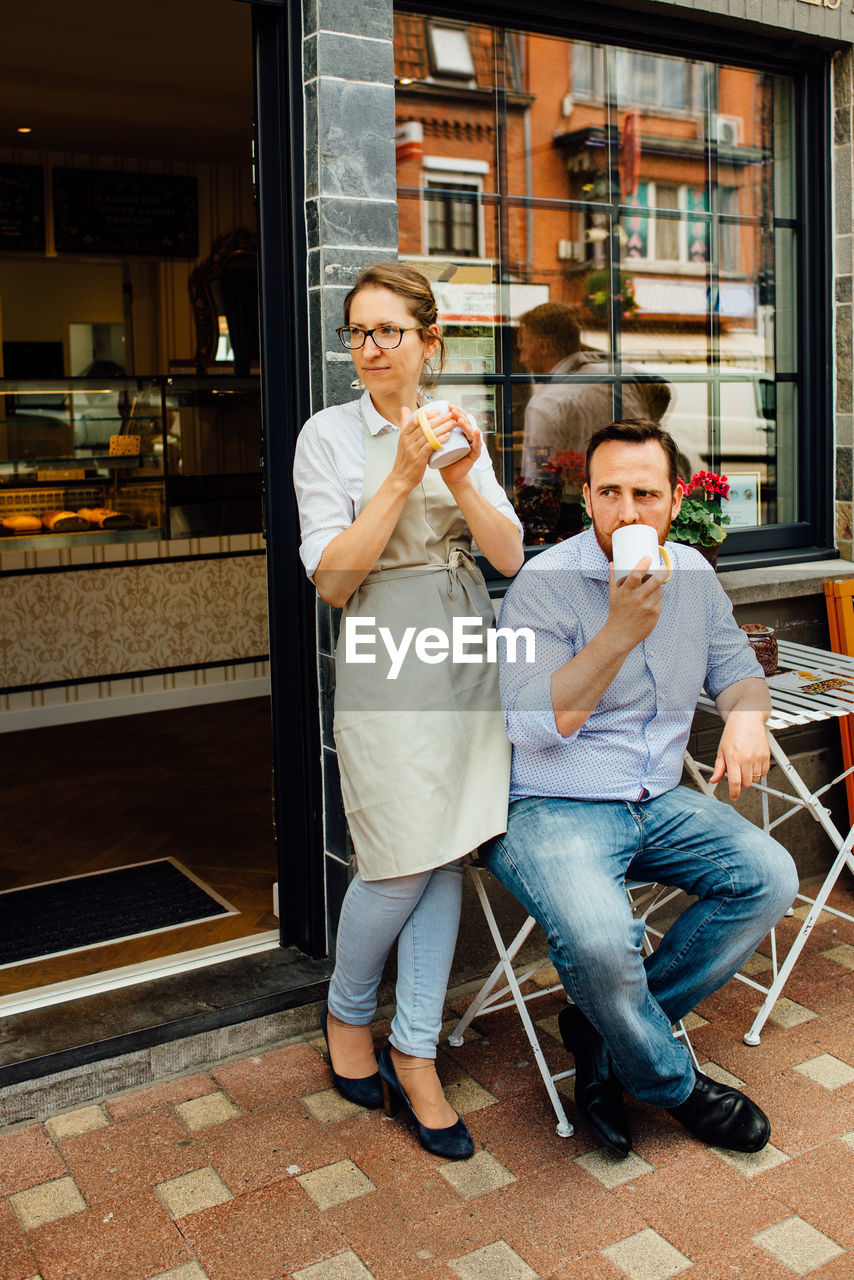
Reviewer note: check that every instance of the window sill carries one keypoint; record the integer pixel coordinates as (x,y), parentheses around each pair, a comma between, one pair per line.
(782,582)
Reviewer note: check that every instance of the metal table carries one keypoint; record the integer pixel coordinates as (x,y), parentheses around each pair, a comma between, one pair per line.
(793,703)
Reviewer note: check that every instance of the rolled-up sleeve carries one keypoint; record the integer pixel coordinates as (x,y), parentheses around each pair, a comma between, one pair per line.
(492,490)
(526,687)
(730,656)
(325,507)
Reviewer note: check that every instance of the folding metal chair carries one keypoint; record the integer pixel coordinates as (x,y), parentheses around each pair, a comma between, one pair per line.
(645,899)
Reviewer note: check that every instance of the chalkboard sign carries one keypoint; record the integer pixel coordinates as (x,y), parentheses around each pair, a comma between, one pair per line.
(21,207)
(125,214)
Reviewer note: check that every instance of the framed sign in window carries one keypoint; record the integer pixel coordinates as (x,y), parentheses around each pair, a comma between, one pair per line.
(150,215)
(743,505)
(21,208)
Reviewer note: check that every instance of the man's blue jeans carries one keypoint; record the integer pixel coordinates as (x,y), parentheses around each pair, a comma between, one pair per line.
(567,862)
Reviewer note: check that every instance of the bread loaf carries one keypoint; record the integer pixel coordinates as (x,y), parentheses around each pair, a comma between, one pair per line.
(105,517)
(21,523)
(64,522)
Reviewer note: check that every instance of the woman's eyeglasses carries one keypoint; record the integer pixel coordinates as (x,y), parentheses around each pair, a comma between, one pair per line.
(385,336)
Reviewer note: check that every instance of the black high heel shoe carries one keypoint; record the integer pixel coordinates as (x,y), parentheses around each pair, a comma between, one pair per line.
(367,1091)
(454,1142)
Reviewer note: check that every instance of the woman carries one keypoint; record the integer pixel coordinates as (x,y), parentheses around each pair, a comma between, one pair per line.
(423,756)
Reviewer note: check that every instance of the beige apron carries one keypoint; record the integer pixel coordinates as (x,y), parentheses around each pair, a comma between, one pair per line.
(424,758)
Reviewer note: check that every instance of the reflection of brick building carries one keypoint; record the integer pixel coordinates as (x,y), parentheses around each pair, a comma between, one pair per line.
(568,139)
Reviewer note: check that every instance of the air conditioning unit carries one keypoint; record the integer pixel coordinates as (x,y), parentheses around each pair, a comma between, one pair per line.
(727,130)
(566,105)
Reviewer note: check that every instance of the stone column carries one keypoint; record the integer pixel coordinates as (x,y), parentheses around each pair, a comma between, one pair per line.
(351,202)
(351,221)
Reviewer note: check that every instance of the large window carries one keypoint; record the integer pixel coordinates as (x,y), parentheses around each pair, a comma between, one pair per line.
(632,246)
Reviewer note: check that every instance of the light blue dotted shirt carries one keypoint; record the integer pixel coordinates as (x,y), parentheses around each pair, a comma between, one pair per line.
(631,747)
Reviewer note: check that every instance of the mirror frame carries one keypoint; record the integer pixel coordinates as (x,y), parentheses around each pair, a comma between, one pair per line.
(226,247)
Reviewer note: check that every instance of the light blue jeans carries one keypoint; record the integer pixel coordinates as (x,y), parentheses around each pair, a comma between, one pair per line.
(422,913)
(567,862)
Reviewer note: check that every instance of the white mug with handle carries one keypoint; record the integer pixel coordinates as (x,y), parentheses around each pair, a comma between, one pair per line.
(455,447)
(631,543)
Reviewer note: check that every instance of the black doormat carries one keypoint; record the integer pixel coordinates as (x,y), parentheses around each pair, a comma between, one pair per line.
(110,906)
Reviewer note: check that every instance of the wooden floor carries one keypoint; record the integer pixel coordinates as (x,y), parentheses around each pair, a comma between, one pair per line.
(192,784)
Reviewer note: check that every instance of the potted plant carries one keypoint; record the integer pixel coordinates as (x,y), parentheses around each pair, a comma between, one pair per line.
(700,521)
(597,290)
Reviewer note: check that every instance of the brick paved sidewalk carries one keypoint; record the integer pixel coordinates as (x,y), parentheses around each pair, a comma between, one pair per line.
(256,1170)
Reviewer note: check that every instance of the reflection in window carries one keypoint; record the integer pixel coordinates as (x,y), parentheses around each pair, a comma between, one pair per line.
(667,239)
(452,218)
(646,206)
(450,51)
(644,80)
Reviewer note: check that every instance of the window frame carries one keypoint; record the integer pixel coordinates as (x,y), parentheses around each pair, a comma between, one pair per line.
(809,67)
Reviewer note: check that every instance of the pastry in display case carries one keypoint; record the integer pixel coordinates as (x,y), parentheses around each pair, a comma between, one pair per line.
(126,459)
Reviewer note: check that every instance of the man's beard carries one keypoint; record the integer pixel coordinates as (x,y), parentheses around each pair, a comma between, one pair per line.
(604,539)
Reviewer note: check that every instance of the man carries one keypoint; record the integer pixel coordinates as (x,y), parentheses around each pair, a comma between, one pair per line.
(599,724)
(563,416)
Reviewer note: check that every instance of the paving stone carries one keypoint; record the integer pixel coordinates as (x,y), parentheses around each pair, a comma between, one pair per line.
(804,908)
(193,1192)
(842,955)
(344,1266)
(829,1072)
(566,1087)
(477,1176)
(268,1146)
(546,977)
(493,1262)
(16,1257)
(27,1157)
(721,1074)
(550,1026)
(130,1156)
(787,1013)
(263,1235)
(328,1106)
(798,1245)
(752,1162)
(757,963)
(192,1271)
(126,1105)
(128,1238)
(610,1170)
(647,1256)
(466,1095)
(204,1112)
(693,1021)
(47,1203)
(335,1183)
(267,1079)
(74,1122)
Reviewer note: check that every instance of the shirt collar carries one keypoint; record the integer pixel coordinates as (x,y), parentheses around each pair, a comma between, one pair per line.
(591,559)
(377,424)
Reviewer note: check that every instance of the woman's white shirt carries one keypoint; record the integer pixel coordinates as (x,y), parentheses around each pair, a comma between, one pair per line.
(329,468)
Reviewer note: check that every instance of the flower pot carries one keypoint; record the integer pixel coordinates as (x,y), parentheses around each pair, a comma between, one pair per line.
(763,642)
(710,554)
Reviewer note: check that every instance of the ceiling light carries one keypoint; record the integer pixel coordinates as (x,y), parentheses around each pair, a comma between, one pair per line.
(24,128)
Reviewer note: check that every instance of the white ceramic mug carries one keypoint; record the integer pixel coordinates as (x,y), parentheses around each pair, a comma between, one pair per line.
(631,543)
(455,447)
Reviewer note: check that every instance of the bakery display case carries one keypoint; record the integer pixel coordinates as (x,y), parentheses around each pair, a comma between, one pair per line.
(88,460)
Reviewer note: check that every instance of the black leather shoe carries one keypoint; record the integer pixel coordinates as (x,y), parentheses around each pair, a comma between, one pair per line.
(454,1143)
(723,1117)
(598,1095)
(366,1091)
